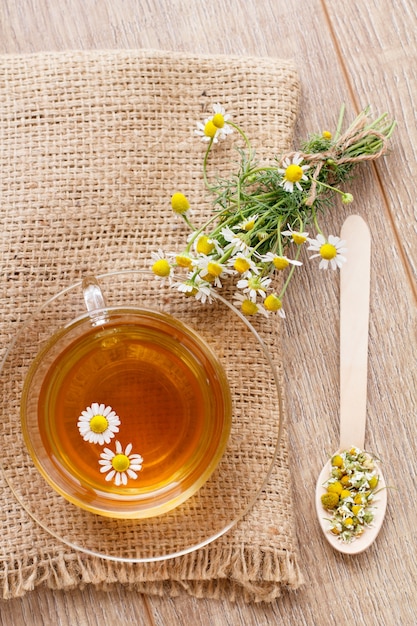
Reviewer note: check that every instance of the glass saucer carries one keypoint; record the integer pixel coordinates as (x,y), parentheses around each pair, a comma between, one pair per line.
(243,470)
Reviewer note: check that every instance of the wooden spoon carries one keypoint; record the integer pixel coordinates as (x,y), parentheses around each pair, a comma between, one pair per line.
(354,327)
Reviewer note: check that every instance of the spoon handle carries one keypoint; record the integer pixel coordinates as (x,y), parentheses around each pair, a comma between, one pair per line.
(354,329)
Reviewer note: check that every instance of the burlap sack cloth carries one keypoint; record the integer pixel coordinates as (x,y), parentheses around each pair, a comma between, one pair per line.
(92,146)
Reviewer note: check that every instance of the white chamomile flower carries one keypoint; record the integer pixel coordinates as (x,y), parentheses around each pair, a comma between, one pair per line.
(298,237)
(254,286)
(120,465)
(203,293)
(98,423)
(205,245)
(247,224)
(280,262)
(212,270)
(293,172)
(330,250)
(215,127)
(161,265)
(273,303)
(196,287)
(244,265)
(236,242)
(247,306)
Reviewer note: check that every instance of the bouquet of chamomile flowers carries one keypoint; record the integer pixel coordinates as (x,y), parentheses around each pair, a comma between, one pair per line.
(263,214)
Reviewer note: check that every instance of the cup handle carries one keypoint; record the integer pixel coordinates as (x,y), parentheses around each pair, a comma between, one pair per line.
(94,300)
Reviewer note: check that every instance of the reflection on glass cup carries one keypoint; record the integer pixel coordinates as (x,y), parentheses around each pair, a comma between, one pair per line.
(125,411)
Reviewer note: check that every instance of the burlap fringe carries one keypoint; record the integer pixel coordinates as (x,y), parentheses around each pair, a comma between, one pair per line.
(255,575)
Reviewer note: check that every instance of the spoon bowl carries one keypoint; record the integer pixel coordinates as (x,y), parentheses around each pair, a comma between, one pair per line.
(361,543)
(354,326)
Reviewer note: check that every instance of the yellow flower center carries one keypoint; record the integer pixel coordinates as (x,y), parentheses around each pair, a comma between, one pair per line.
(98,424)
(298,238)
(120,462)
(210,129)
(218,120)
(215,269)
(272,303)
(204,245)
(326,134)
(241,265)
(161,268)
(328,251)
(254,283)
(249,225)
(337,460)
(209,278)
(179,203)
(183,261)
(293,173)
(280,263)
(192,292)
(249,307)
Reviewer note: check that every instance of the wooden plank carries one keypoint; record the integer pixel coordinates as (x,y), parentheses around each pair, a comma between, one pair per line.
(346,53)
(378,46)
(87,607)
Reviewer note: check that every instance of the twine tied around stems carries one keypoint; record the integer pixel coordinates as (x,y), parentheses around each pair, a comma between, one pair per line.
(339,152)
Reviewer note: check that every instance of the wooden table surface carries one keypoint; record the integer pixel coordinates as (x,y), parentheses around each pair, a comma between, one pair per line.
(347,51)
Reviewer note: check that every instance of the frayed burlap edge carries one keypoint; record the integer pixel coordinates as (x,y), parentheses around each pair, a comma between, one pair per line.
(254,575)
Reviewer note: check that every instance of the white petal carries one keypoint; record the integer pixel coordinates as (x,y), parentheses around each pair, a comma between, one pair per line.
(128,449)
(131,473)
(110,475)
(117,480)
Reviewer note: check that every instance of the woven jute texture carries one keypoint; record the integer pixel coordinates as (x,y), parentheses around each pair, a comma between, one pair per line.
(92,146)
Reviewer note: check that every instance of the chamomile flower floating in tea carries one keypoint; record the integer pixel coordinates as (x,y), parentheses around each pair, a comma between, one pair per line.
(120,465)
(264,213)
(98,424)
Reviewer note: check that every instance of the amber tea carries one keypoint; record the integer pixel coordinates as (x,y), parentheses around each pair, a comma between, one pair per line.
(132,414)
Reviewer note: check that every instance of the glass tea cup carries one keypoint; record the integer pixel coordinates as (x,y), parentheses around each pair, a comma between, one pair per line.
(125,410)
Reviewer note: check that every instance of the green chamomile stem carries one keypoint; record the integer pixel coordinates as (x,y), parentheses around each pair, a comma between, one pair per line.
(335,189)
(260,169)
(340,122)
(262,241)
(187,221)
(206,181)
(238,193)
(316,224)
(279,238)
(290,273)
(242,134)
(204,227)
